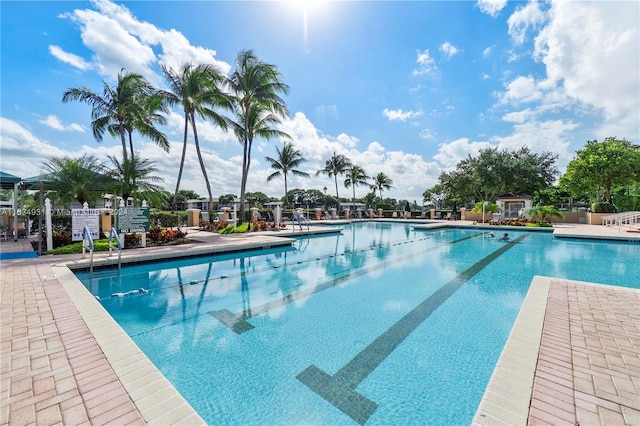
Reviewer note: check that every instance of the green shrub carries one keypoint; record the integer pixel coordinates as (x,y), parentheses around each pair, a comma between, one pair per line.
(168,219)
(75,248)
(602,208)
(240,229)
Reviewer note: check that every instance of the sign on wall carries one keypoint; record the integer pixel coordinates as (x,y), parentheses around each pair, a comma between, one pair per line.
(85,217)
(130,220)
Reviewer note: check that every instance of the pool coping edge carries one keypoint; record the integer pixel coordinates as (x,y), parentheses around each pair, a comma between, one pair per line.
(507,397)
(121,351)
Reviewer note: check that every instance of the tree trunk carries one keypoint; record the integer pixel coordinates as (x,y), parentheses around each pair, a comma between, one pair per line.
(204,170)
(131,144)
(286,192)
(124,143)
(184,152)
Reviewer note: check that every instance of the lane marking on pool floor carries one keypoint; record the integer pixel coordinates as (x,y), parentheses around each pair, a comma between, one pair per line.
(339,389)
(239,324)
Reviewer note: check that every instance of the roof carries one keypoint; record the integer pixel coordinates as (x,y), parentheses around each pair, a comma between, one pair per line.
(514,196)
(8,181)
(34,181)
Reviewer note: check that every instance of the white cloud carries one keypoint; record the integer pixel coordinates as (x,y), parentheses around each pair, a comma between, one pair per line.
(55,123)
(69,58)
(410,172)
(449,49)
(426,134)
(522,90)
(400,115)
(426,63)
(549,135)
(529,16)
(486,52)
(592,51)
(119,40)
(491,7)
(485,76)
(449,154)
(22,152)
(518,116)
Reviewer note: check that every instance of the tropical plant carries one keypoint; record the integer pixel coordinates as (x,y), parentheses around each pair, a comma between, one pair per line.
(77,179)
(122,108)
(380,182)
(256,87)
(133,177)
(355,176)
(337,165)
(286,161)
(197,90)
(540,213)
(485,207)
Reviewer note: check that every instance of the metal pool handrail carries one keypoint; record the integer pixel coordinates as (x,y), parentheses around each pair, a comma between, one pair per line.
(86,236)
(114,234)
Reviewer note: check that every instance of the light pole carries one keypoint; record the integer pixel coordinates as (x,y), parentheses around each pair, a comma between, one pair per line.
(483,204)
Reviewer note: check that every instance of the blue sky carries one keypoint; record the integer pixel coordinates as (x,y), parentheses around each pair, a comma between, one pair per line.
(404,88)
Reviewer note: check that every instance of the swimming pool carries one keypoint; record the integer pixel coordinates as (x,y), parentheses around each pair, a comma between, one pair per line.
(382,324)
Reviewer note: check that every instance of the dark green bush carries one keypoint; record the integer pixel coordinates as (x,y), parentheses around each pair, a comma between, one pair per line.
(602,208)
(168,219)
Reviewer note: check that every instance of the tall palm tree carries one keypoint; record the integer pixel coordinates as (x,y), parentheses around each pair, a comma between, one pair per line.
(117,107)
(380,182)
(355,176)
(256,87)
(197,90)
(76,178)
(338,164)
(287,160)
(133,177)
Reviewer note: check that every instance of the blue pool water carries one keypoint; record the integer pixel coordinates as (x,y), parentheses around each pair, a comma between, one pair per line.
(381,324)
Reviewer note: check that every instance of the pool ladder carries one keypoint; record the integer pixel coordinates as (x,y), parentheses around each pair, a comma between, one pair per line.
(114,234)
(87,243)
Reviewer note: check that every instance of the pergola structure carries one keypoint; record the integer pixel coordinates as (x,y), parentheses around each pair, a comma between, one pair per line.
(9,181)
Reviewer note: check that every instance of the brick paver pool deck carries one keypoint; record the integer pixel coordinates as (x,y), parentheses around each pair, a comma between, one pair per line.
(573,356)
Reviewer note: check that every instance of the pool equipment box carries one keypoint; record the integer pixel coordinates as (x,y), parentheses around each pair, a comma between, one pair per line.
(85,217)
(131,220)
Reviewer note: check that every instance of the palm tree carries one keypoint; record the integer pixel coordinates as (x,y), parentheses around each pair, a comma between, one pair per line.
(255,86)
(541,212)
(118,108)
(133,177)
(485,207)
(197,90)
(76,178)
(355,176)
(338,164)
(288,159)
(380,182)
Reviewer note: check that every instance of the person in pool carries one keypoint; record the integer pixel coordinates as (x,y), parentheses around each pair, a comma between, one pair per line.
(491,235)
(505,237)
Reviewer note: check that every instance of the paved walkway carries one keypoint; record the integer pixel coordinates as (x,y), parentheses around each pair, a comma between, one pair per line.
(64,361)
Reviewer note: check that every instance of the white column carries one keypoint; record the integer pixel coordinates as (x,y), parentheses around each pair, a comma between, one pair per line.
(48,227)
